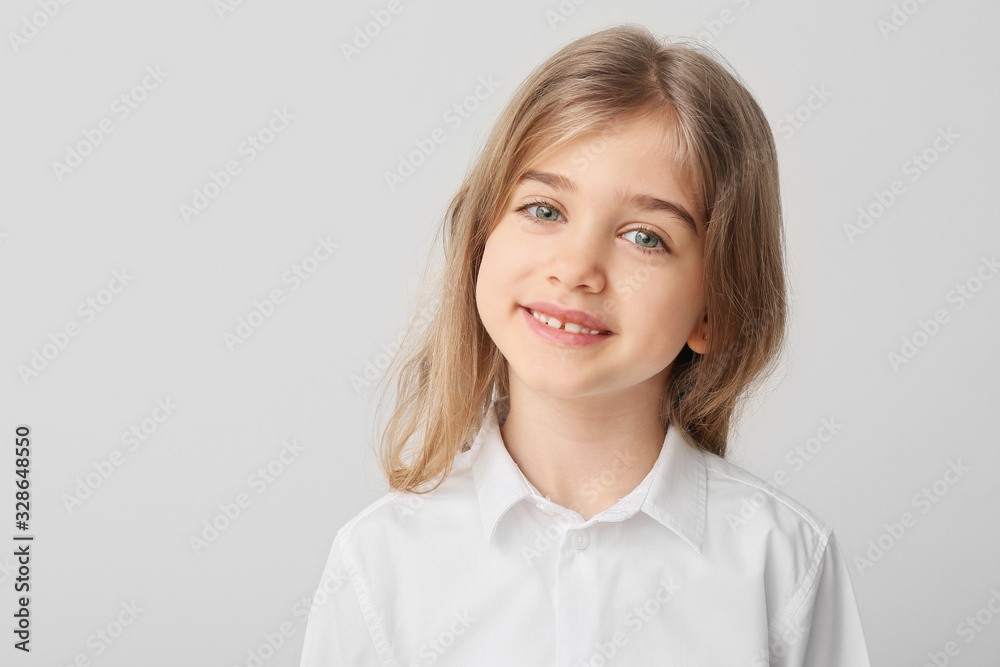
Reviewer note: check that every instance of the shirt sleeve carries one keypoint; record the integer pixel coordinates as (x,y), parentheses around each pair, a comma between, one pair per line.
(826,630)
(336,632)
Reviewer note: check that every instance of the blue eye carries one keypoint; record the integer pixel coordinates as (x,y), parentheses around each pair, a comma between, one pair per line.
(646,235)
(544,211)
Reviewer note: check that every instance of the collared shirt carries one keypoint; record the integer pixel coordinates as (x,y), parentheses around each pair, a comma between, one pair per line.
(702,564)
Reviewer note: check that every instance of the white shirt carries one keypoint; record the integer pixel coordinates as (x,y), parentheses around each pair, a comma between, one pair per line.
(703,564)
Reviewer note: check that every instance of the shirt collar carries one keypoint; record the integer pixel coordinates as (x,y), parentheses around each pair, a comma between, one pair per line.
(673,493)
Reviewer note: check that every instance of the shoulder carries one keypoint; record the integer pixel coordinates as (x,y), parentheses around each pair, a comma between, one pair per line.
(751,514)
(752,495)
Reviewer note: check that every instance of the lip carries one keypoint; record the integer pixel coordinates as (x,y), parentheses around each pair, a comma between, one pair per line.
(563,315)
(560,337)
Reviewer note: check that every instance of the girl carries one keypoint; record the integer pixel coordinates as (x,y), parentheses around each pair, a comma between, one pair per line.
(614,284)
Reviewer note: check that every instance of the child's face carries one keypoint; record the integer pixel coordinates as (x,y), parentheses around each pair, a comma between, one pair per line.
(581,251)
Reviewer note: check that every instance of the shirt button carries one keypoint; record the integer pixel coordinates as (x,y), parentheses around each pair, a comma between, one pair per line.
(579,539)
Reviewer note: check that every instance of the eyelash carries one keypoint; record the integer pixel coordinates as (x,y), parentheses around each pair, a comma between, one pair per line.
(663,249)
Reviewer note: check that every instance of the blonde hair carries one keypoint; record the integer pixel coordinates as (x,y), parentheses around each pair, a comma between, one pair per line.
(447,374)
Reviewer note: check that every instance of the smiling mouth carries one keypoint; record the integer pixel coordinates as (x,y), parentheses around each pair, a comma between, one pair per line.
(571,327)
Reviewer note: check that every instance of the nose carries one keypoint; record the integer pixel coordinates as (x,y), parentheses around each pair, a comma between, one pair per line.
(579,256)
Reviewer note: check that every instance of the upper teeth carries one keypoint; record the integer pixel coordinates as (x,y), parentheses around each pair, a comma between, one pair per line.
(572,327)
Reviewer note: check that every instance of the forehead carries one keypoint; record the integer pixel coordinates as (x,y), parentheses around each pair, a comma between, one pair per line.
(640,154)
(647,135)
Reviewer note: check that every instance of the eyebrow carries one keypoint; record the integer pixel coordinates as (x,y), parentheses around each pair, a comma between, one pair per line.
(640,201)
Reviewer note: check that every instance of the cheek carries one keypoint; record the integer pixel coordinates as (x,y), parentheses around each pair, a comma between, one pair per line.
(501,259)
(667,312)
(487,270)
(492,277)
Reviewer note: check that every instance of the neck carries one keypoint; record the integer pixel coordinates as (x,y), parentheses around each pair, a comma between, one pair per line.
(584,453)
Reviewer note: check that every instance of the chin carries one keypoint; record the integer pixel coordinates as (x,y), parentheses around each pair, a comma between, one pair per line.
(565,388)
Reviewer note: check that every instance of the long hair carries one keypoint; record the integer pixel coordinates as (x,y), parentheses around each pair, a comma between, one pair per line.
(446,374)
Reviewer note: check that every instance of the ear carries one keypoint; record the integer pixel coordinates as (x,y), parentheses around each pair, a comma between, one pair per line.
(698,340)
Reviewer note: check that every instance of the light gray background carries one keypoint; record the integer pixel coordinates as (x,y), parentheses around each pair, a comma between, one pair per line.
(323,176)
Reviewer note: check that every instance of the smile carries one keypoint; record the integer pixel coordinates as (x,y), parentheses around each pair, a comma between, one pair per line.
(571,327)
